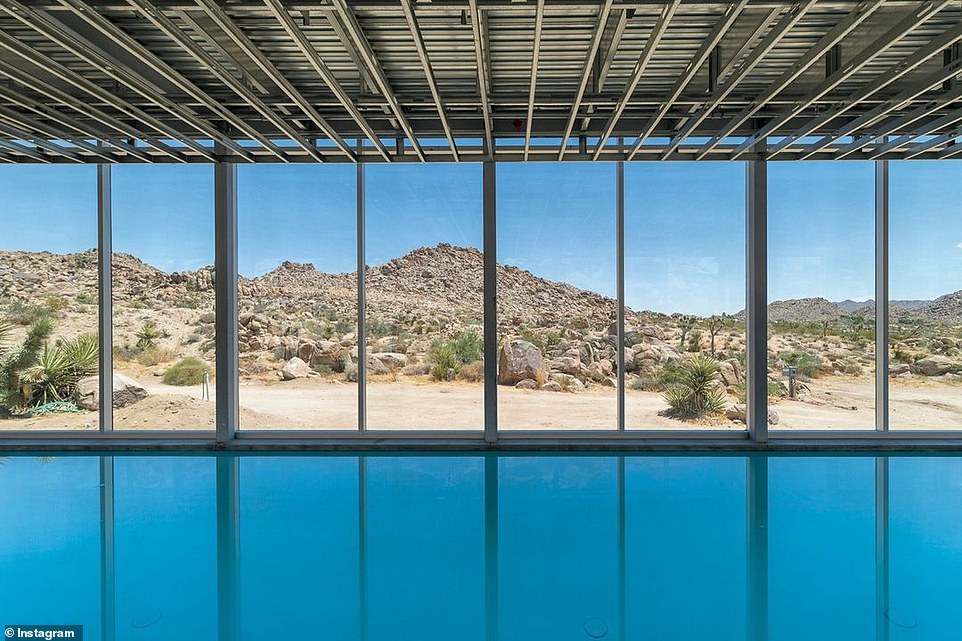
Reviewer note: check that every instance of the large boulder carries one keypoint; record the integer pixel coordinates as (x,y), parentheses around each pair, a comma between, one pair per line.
(126,391)
(391,360)
(295,368)
(739,412)
(936,365)
(520,360)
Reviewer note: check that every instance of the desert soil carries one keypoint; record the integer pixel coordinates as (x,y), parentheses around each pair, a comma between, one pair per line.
(834,403)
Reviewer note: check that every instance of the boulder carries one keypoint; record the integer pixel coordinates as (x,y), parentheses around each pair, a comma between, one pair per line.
(126,391)
(738,412)
(600,370)
(391,360)
(528,383)
(568,365)
(328,354)
(551,386)
(376,366)
(899,368)
(295,368)
(727,374)
(936,365)
(568,382)
(520,360)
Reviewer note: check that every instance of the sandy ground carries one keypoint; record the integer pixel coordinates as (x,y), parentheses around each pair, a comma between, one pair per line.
(834,403)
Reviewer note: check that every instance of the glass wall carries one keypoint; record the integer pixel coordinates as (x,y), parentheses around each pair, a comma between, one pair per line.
(821,284)
(557,278)
(925,306)
(48,297)
(163,296)
(425,312)
(297,296)
(684,294)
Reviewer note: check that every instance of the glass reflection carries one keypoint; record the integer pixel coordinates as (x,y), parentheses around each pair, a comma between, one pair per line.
(506,548)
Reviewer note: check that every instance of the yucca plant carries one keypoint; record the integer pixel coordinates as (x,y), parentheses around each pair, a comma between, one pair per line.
(147,336)
(697,393)
(17,359)
(60,367)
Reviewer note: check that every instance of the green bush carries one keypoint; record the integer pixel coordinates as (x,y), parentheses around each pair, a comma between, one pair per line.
(61,366)
(465,349)
(17,359)
(672,373)
(147,336)
(187,371)
(809,365)
(698,393)
(443,358)
(22,313)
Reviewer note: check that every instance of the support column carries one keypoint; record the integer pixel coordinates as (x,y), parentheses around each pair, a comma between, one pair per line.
(225,292)
(105,334)
(363,609)
(491,577)
(228,548)
(108,574)
(882,549)
(361,300)
(881,295)
(620,320)
(756,308)
(489,183)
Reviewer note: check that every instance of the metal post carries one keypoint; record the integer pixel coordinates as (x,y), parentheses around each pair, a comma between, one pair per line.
(622,554)
(108,574)
(105,252)
(225,292)
(757,485)
(228,548)
(620,320)
(756,308)
(489,184)
(361,300)
(882,548)
(362,544)
(491,547)
(881,295)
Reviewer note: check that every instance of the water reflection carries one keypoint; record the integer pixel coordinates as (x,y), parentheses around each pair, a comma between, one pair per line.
(494,548)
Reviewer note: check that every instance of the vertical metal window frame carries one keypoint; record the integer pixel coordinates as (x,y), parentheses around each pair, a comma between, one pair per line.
(620,290)
(361,233)
(108,572)
(881,295)
(490,275)
(227,389)
(756,290)
(105,308)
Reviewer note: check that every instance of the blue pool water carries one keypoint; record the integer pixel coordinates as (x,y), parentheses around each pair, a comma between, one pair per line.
(484,548)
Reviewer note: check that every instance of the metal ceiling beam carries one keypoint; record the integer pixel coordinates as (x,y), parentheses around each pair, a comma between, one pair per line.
(774,36)
(533,83)
(46,145)
(24,151)
(609,50)
(930,126)
(717,33)
(169,28)
(922,147)
(903,67)
(878,46)
(749,43)
(92,54)
(52,133)
(412,21)
(900,101)
(346,14)
(65,75)
(657,32)
(858,15)
(307,50)
(239,38)
(481,56)
(599,31)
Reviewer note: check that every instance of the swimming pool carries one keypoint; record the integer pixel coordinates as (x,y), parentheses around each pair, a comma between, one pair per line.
(483,547)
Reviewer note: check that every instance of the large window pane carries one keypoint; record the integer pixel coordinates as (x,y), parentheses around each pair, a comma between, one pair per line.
(50,542)
(925,310)
(821,284)
(684,289)
(163,295)
(556,287)
(166,547)
(48,296)
(424,296)
(297,228)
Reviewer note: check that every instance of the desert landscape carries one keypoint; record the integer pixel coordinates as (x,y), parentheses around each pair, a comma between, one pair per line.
(557,352)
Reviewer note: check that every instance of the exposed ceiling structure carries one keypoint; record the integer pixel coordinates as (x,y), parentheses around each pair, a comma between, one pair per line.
(460,80)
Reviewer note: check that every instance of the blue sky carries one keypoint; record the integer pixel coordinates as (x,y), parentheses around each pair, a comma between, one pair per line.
(684,222)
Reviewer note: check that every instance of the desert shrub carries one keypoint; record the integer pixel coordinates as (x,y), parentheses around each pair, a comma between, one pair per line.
(86,298)
(377,328)
(22,313)
(187,371)
(156,356)
(541,377)
(60,367)
(442,358)
(698,393)
(775,391)
(16,359)
(468,347)
(902,355)
(55,304)
(350,372)
(809,365)
(853,367)
(673,372)
(694,341)
(147,336)
(646,384)
(187,301)
(472,372)
(541,340)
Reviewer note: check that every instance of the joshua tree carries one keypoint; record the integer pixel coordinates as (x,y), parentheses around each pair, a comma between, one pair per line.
(715,324)
(686,322)
(824,325)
